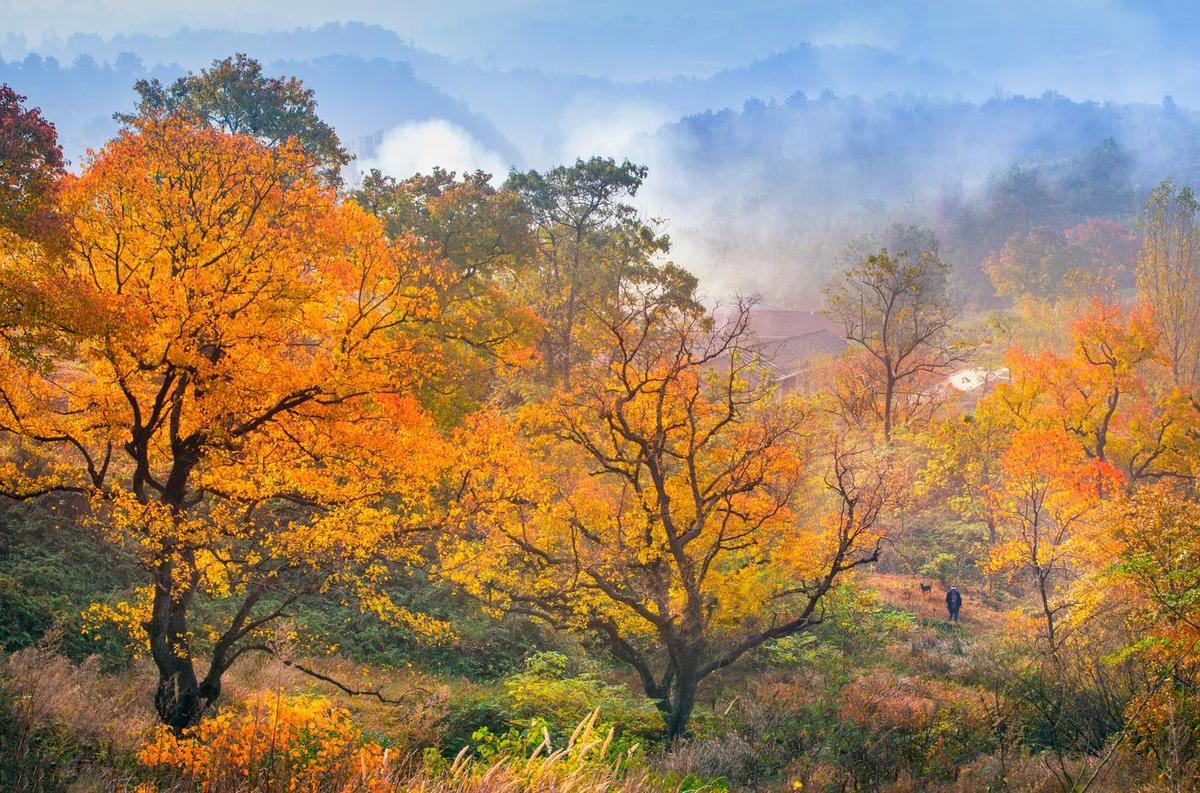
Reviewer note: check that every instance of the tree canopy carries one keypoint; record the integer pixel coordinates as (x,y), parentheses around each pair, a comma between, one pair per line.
(234,95)
(229,384)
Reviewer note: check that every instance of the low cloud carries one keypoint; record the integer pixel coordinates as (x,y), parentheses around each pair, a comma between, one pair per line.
(599,127)
(417,146)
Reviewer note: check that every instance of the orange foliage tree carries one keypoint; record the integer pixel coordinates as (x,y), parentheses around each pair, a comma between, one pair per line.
(1102,394)
(1110,394)
(1100,412)
(652,505)
(1047,493)
(224,372)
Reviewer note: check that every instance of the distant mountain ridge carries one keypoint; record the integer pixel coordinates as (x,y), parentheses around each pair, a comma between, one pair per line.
(530,111)
(361,97)
(774,164)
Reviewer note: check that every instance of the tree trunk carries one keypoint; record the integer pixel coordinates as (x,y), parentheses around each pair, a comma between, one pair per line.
(683,700)
(889,395)
(179,698)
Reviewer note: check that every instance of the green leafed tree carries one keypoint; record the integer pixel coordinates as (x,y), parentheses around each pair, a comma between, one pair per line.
(590,245)
(235,96)
(482,234)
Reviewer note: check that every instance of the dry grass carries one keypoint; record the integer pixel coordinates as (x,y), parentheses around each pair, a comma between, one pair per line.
(111,712)
(56,708)
(106,719)
(410,717)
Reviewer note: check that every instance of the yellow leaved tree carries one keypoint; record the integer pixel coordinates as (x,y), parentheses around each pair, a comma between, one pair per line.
(665,505)
(220,369)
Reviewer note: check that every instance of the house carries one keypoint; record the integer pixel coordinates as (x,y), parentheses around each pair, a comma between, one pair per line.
(791,342)
(969,381)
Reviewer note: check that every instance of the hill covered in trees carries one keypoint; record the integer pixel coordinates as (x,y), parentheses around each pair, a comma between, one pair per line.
(314,479)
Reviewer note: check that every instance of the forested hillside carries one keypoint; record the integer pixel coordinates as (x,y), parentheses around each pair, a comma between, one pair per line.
(779,162)
(316,477)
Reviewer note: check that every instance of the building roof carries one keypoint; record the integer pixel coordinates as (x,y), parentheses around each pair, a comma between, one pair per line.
(772,323)
(790,341)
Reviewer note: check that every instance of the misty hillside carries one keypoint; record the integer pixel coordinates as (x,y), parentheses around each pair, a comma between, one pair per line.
(510,97)
(773,183)
(362,97)
(774,163)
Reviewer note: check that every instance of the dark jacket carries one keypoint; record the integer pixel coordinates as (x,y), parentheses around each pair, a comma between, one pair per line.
(953,600)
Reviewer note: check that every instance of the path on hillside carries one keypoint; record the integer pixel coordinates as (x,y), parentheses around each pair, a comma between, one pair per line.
(904,592)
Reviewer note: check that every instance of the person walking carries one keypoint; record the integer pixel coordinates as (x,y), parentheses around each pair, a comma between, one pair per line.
(953,603)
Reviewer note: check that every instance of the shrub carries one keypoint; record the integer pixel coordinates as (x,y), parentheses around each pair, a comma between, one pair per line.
(944,567)
(278,744)
(273,743)
(481,647)
(546,690)
(468,716)
(49,573)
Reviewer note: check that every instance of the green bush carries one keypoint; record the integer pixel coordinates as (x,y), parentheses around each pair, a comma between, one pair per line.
(945,567)
(470,715)
(547,690)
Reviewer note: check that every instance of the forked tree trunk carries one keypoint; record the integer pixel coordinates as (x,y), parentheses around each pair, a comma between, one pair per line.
(179,699)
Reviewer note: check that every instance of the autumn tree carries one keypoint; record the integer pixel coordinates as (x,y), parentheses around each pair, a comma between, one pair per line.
(1103,395)
(1111,346)
(1087,260)
(1026,461)
(897,311)
(1034,262)
(1047,493)
(233,95)
(1107,251)
(654,506)
(1109,393)
(590,246)
(31,163)
(226,388)
(963,464)
(1169,277)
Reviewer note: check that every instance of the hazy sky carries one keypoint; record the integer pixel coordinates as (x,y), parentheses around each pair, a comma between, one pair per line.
(1024,45)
